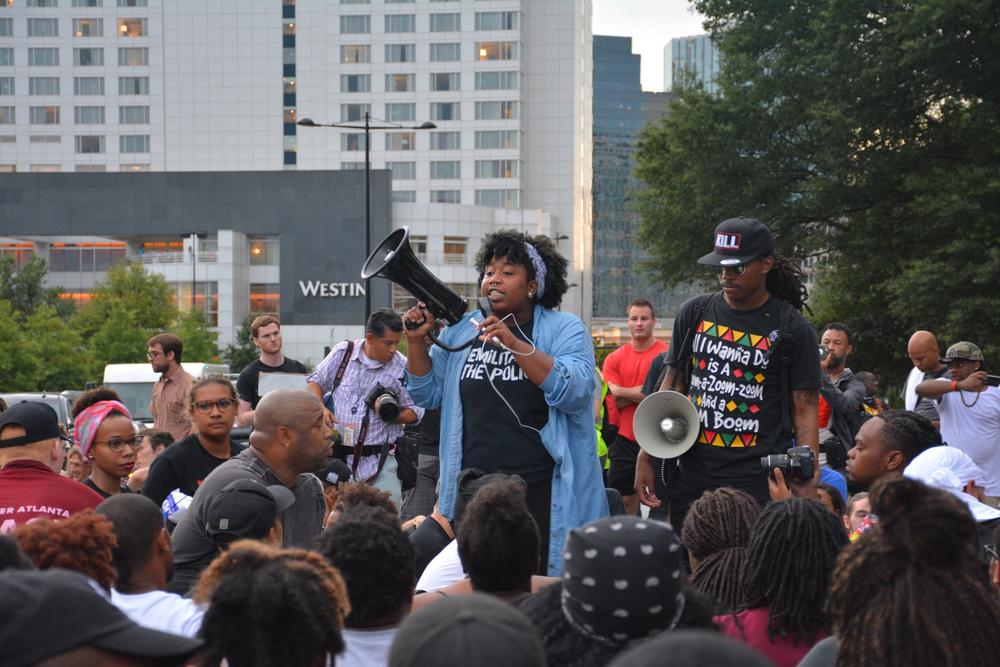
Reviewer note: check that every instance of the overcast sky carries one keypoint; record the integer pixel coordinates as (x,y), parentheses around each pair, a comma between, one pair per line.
(650,24)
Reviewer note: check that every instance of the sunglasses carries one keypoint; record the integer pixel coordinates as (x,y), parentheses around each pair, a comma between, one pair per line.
(738,269)
(205,407)
(118,444)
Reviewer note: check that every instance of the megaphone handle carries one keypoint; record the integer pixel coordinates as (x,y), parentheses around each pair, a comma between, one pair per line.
(411,325)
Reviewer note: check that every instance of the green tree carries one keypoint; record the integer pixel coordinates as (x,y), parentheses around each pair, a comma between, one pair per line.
(242,351)
(199,339)
(19,364)
(62,360)
(24,287)
(865,134)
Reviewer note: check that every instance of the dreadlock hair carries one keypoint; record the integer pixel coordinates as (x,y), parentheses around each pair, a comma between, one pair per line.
(91,396)
(908,432)
(377,561)
(509,244)
(715,533)
(270,606)
(567,647)
(792,551)
(498,539)
(137,522)
(83,542)
(912,590)
(786,280)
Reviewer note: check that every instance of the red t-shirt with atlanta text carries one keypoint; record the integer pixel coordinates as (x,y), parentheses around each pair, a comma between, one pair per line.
(627,367)
(30,490)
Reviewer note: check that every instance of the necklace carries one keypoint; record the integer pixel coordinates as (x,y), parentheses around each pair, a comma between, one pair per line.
(961,395)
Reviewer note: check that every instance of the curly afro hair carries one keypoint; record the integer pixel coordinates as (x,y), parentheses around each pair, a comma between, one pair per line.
(353,495)
(84,543)
(509,244)
(91,396)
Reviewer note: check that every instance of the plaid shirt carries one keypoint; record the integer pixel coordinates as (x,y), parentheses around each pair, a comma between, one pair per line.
(360,376)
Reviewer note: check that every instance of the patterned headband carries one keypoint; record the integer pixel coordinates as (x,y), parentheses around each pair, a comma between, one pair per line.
(87,423)
(539,266)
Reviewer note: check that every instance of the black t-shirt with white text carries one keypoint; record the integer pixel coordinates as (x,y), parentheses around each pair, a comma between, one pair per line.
(735,384)
(492,439)
(249,379)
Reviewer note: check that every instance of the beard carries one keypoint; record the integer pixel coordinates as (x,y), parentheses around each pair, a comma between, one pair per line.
(834,361)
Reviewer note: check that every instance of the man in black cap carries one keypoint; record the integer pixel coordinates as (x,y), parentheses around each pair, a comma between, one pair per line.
(31,446)
(749,362)
(57,617)
(247,510)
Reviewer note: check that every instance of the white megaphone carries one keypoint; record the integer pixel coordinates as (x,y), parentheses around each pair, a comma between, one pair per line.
(665,424)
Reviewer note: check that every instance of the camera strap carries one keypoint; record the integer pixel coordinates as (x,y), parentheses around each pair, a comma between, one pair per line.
(339,377)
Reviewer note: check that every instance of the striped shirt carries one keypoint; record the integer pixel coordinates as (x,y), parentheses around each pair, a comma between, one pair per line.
(360,376)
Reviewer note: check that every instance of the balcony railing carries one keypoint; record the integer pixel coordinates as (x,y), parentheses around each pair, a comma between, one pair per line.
(178,257)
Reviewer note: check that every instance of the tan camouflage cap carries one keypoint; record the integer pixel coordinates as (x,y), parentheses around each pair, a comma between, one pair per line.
(963,349)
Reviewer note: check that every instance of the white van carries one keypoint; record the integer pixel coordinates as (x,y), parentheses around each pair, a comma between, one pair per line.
(134,383)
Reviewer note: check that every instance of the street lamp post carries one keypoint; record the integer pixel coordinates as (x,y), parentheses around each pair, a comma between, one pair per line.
(368,127)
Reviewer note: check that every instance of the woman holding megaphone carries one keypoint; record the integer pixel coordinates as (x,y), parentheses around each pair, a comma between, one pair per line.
(520,399)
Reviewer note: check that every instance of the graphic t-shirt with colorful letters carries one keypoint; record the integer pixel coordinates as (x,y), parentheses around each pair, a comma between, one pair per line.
(735,384)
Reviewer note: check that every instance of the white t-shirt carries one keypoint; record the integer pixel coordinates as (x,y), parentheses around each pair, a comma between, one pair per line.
(366,648)
(975,430)
(162,611)
(444,570)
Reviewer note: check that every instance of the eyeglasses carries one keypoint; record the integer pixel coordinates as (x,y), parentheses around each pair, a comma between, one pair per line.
(205,407)
(153,355)
(117,444)
(738,269)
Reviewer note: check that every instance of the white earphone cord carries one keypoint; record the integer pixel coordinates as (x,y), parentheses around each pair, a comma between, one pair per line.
(489,377)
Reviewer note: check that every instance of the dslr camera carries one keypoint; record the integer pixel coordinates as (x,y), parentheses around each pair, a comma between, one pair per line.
(797,463)
(387,400)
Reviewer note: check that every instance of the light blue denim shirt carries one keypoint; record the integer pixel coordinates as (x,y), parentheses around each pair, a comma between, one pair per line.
(577,486)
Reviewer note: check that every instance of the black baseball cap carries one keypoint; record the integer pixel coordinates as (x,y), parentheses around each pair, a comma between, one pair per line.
(56,611)
(246,509)
(39,421)
(738,241)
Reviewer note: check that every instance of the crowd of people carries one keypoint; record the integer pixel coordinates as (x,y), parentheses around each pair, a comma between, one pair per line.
(456,505)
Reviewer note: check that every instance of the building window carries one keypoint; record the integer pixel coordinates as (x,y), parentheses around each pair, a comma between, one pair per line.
(496,20)
(404,111)
(43,115)
(353,166)
(400,23)
(133,85)
(133,3)
(400,141)
(133,56)
(496,50)
(496,168)
(446,169)
(355,83)
(446,22)
(497,80)
(91,167)
(88,27)
(454,249)
(419,246)
(446,81)
(265,298)
(498,198)
(443,53)
(88,116)
(446,196)
(350,112)
(41,3)
(402,171)
(45,139)
(133,167)
(400,53)
(355,2)
(404,196)
(137,115)
(43,27)
(86,3)
(88,85)
(446,141)
(6,27)
(355,25)
(88,57)
(132,27)
(6,85)
(355,53)
(90,144)
(289,116)
(399,2)
(43,57)
(6,115)
(43,85)
(264,252)
(133,143)
(6,56)
(8,139)
(399,83)
(352,141)
(446,111)
(496,110)
(487,139)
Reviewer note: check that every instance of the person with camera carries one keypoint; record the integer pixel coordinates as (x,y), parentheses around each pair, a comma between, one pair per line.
(371,404)
(520,399)
(968,402)
(749,362)
(841,396)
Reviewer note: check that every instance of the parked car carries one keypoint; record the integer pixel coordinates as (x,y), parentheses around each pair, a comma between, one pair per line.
(61,402)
